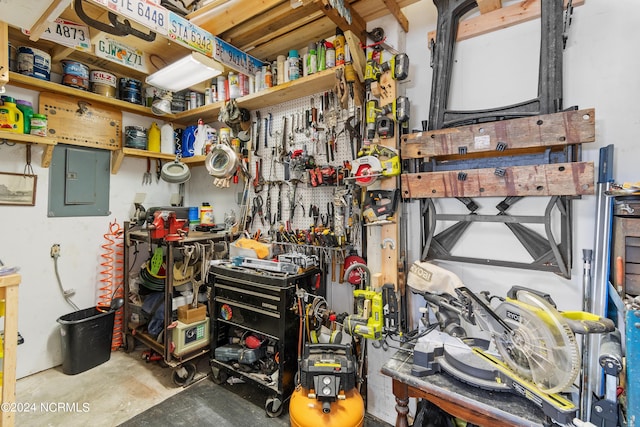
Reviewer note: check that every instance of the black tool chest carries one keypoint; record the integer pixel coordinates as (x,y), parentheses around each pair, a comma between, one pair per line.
(261,305)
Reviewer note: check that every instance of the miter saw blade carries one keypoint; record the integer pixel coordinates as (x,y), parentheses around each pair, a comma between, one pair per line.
(540,346)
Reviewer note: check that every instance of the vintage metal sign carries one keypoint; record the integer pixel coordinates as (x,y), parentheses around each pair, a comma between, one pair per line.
(187,34)
(66,33)
(120,53)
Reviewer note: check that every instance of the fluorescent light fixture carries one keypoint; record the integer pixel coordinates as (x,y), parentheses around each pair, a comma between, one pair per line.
(185,73)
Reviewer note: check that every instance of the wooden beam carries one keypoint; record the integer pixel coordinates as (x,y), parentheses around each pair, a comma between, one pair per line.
(4,54)
(505,17)
(227,15)
(357,54)
(55,8)
(393,7)
(558,179)
(543,131)
(358,26)
(486,6)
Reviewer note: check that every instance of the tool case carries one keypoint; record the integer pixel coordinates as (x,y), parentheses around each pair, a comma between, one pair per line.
(264,303)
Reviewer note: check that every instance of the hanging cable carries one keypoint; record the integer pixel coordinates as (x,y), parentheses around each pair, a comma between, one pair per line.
(67,294)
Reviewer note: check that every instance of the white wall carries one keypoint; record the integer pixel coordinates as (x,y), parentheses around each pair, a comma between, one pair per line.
(601,71)
(29,234)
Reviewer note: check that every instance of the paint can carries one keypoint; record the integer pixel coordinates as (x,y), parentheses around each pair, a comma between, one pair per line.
(178,102)
(135,137)
(103,83)
(75,74)
(130,90)
(34,62)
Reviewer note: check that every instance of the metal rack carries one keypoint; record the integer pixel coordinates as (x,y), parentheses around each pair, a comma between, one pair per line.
(165,347)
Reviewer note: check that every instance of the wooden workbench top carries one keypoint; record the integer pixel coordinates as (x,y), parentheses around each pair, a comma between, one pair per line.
(10,280)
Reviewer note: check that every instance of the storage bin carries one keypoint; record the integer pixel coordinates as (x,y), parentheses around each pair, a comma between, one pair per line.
(86,339)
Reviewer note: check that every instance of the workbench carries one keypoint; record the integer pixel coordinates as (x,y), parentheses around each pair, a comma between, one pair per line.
(472,404)
(9,293)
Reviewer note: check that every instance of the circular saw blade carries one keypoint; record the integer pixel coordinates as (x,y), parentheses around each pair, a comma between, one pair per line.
(541,346)
(365,175)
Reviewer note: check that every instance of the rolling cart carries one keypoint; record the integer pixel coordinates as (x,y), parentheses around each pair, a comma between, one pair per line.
(153,269)
(255,327)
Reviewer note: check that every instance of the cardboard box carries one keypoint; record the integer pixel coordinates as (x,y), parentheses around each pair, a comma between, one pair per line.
(188,314)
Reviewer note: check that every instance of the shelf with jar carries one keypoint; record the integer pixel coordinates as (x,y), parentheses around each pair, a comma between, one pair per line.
(27,82)
(293,89)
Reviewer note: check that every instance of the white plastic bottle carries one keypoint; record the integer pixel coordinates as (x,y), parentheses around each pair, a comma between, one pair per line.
(167,139)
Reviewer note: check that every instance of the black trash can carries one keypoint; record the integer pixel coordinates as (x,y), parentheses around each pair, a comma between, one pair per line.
(86,339)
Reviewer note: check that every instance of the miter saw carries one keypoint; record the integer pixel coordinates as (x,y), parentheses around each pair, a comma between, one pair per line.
(373,161)
(531,349)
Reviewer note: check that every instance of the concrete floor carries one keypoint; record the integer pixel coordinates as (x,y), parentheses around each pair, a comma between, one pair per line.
(106,395)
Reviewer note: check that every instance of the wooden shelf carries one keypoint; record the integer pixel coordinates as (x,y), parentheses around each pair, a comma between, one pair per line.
(118,155)
(32,83)
(295,89)
(47,142)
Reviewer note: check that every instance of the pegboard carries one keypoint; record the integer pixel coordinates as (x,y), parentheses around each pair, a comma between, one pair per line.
(301,138)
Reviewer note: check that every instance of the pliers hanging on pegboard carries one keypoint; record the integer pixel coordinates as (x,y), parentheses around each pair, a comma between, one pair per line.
(328,219)
(314,212)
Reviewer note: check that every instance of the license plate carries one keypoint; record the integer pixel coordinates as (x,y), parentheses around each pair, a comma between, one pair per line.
(67,33)
(144,12)
(120,53)
(185,33)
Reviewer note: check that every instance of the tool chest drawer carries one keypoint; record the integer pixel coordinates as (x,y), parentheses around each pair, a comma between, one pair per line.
(244,302)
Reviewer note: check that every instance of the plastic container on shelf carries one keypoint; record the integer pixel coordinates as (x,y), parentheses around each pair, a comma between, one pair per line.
(27,113)
(206,214)
(11,118)
(312,59)
(167,139)
(153,136)
(39,125)
(294,65)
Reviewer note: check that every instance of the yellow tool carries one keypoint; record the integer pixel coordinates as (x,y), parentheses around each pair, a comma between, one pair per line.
(369,321)
(373,161)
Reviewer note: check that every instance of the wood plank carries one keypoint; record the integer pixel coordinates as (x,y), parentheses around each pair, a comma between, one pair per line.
(358,57)
(296,39)
(357,25)
(56,7)
(498,19)
(47,86)
(561,179)
(295,89)
(371,10)
(393,7)
(77,122)
(548,130)
(4,53)
(486,6)
(222,17)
